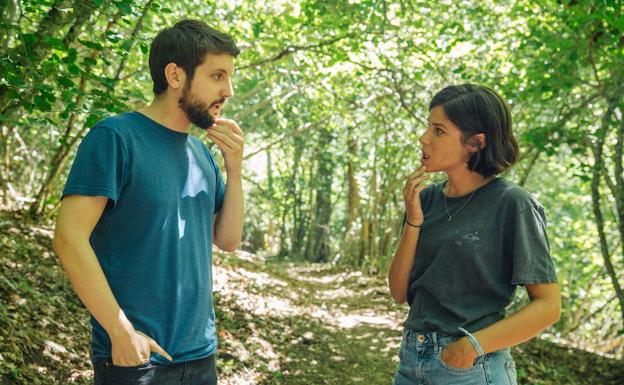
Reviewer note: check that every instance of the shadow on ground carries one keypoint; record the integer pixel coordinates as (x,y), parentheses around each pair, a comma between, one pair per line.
(278,324)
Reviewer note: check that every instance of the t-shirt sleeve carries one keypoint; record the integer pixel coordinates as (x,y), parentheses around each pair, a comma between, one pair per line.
(532,263)
(98,169)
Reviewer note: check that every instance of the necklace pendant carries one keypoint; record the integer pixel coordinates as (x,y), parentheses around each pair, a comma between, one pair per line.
(449,219)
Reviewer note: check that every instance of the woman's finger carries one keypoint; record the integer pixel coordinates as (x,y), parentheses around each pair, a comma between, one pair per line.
(416,181)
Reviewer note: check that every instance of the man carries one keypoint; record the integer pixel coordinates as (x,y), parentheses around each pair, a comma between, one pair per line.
(143,203)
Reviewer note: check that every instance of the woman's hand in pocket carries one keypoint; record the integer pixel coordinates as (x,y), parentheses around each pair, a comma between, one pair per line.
(460,354)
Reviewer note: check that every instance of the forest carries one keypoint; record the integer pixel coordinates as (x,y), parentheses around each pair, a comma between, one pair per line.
(332,96)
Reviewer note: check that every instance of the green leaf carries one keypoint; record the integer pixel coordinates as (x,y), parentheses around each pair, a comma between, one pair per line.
(42,104)
(124,7)
(91,44)
(74,69)
(65,82)
(127,44)
(92,119)
(257,28)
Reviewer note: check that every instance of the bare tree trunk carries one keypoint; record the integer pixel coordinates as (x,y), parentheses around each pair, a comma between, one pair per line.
(596,200)
(353,198)
(619,181)
(269,166)
(298,228)
(318,249)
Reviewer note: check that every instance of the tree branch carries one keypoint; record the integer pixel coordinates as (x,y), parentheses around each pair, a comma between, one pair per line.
(295,48)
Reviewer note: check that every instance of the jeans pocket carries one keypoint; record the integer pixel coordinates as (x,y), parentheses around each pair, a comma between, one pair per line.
(146,365)
(510,368)
(475,367)
(143,374)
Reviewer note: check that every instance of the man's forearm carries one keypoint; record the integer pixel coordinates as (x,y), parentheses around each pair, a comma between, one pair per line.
(89,282)
(229,223)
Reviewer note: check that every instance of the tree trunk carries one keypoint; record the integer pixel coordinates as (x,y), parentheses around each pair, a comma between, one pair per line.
(596,201)
(318,249)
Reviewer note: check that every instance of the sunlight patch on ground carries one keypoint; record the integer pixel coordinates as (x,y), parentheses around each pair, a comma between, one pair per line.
(327,279)
(222,276)
(349,321)
(244,377)
(334,314)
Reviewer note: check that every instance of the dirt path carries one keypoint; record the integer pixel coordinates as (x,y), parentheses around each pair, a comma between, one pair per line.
(288,324)
(304,325)
(278,324)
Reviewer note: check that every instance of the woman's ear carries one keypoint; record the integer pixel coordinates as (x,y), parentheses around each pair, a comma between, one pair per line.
(476,142)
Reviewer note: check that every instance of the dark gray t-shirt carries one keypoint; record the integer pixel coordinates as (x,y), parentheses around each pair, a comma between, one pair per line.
(467,269)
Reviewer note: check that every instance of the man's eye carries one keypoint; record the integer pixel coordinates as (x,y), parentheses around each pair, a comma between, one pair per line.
(218,76)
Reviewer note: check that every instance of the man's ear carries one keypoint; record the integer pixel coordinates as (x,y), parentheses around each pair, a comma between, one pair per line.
(476,142)
(175,76)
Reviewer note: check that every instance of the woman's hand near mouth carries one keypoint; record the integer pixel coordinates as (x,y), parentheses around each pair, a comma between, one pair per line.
(411,195)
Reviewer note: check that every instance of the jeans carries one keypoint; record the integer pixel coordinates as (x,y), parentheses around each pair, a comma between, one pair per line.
(198,372)
(421,363)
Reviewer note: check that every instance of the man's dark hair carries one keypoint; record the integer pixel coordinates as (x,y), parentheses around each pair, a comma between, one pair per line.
(477,109)
(186,44)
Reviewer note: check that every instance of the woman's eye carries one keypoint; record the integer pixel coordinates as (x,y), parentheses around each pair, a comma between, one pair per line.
(439,131)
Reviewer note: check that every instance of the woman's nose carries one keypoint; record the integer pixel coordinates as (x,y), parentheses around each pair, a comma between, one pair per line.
(423,138)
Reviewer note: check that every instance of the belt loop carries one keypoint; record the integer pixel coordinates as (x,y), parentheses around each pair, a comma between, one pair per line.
(473,341)
(434,337)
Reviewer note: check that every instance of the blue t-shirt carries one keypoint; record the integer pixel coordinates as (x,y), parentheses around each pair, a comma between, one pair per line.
(154,239)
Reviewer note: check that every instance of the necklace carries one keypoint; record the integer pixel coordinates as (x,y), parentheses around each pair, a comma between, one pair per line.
(460,209)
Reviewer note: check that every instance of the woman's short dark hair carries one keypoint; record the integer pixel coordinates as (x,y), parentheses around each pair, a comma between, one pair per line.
(186,44)
(477,109)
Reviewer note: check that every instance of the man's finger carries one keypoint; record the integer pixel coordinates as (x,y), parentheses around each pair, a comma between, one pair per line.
(225,146)
(227,132)
(230,123)
(154,347)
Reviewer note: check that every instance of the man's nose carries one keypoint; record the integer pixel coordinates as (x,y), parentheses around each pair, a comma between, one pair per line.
(228,91)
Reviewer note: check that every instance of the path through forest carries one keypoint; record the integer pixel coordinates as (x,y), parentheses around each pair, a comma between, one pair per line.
(278,323)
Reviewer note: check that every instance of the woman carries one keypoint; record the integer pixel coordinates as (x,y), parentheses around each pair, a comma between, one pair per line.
(466,244)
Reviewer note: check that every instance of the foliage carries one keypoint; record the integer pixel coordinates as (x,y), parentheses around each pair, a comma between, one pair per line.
(332,97)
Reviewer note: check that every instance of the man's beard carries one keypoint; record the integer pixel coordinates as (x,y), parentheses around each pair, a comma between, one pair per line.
(197,112)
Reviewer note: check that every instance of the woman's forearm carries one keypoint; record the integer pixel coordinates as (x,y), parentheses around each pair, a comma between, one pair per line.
(523,325)
(402,263)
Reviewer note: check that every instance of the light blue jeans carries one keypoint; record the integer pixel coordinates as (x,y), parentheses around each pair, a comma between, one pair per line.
(421,363)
